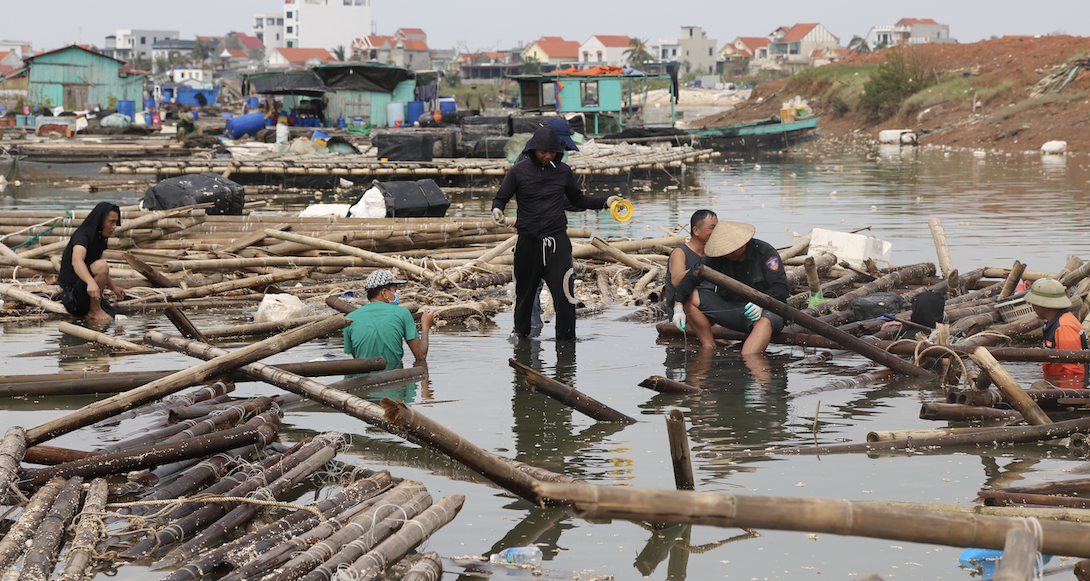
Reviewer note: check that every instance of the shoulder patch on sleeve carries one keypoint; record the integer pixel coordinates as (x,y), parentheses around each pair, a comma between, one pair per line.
(773,263)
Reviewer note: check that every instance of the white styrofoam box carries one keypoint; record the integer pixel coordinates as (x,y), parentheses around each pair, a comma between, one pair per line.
(1054,147)
(898,136)
(371,205)
(854,248)
(279,307)
(317,210)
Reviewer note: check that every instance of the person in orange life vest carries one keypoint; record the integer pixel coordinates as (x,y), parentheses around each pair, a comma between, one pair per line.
(1050,302)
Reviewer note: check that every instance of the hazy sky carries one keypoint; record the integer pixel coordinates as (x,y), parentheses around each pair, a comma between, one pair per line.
(487,24)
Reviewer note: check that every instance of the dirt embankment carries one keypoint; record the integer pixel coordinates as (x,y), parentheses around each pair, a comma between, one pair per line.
(985,95)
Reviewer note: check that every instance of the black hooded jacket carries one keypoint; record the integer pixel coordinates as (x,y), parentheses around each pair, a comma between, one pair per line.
(89,235)
(543,190)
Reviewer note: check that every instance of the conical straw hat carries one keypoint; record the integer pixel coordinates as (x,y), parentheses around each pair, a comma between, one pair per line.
(728,237)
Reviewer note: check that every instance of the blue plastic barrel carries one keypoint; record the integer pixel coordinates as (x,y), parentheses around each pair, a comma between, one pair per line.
(416,109)
(128,109)
(196,115)
(447,105)
(253,102)
(20,120)
(245,125)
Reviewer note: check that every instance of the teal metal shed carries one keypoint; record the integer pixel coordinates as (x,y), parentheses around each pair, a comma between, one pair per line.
(78,78)
(610,102)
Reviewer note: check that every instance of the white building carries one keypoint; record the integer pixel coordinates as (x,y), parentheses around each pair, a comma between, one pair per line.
(325,23)
(910,31)
(605,50)
(21,48)
(269,29)
(693,49)
(140,42)
(191,77)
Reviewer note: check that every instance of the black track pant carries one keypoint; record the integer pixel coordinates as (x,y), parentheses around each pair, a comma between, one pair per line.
(548,259)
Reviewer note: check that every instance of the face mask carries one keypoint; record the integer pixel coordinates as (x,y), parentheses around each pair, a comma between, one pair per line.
(397,299)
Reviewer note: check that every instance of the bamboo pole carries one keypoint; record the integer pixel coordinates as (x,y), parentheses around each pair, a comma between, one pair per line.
(52,455)
(225,264)
(40,558)
(946,265)
(139,458)
(14,543)
(371,565)
(428,568)
(679,450)
(251,239)
(891,280)
(1012,280)
(1012,392)
(32,299)
(789,313)
(568,395)
(955,412)
(183,324)
(175,382)
(861,380)
(202,291)
(419,272)
(12,451)
(1005,498)
(888,435)
(97,337)
(796,249)
(87,534)
(617,255)
(813,280)
(664,385)
(153,275)
(840,517)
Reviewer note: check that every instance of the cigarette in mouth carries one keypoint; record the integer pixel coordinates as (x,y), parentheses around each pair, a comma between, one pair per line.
(552,164)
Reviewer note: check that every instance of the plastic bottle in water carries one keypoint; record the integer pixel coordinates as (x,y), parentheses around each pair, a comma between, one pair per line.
(518,555)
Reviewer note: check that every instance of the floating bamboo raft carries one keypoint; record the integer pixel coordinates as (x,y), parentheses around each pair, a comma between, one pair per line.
(604,160)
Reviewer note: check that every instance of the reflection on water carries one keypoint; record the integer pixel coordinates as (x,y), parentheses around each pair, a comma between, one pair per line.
(995,209)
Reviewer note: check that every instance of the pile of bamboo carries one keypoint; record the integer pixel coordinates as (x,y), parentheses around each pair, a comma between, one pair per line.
(606,160)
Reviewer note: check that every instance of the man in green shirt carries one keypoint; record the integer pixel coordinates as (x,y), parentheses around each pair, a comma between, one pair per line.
(379,327)
(474,101)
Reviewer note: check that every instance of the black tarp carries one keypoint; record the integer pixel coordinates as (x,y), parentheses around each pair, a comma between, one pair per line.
(404,147)
(304,83)
(362,77)
(490,147)
(422,198)
(227,196)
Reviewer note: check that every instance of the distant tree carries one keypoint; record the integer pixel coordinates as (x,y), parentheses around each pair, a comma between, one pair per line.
(338,53)
(530,65)
(161,64)
(202,51)
(141,63)
(859,44)
(637,55)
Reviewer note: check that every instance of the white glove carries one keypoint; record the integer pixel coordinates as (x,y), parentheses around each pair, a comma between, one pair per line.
(612,199)
(679,317)
(753,312)
(498,217)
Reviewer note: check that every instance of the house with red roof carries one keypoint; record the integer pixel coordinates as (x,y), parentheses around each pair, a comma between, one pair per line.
(240,41)
(826,56)
(605,49)
(411,54)
(791,48)
(745,47)
(296,58)
(910,31)
(9,60)
(373,48)
(552,49)
(411,34)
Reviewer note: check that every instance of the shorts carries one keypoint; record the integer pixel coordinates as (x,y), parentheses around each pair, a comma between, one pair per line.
(78,303)
(732,314)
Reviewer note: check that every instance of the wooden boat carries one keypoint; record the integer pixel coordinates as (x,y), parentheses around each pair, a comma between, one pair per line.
(757,135)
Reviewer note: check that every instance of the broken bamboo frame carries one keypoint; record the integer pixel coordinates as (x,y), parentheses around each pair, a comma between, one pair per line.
(172,383)
(791,314)
(568,395)
(840,517)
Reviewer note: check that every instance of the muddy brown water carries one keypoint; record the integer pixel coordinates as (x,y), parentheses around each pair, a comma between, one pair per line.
(995,209)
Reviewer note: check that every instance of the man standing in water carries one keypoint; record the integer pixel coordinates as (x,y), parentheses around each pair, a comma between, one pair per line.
(733,251)
(544,187)
(84,274)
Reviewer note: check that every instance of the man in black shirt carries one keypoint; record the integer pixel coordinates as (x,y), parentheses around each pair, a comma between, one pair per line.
(544,186)
(733,251)
(84,274)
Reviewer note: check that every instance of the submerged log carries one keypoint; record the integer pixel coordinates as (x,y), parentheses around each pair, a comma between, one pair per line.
(665,385)
(889,435)
(789,313)
(1005,498)
(568,395)
(175,382)
(14,543)
(861,380)
(839,517)
(41,557)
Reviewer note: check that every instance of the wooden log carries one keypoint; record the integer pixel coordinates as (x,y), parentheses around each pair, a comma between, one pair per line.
(428,568)
(177,381)
(498,279)
(813,280)
(372,565)
(617,255)
(891,280)
(32,299)
(153,275)
(251,239)
(52,455)
(380,378)
(97,337)
(1012,280)
(665,385)
(1006,498)
(139,458)
(202,291)
(976,397)
(459,274)
(791,314)
(183,324)
(796,249)
(250,329)
(946,411)
(861,380)
(1072,278)
(87,534)
(14,543)
(41,557)
(436,436)
(12,451)
(946,265)
(839,517)
(180,416)
(417,271)
(1012,392)
(888,435)
(679,451)
(568,395)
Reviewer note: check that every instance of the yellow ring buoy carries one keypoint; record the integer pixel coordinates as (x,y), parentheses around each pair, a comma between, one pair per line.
(621,211)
